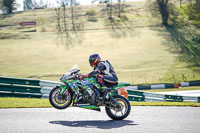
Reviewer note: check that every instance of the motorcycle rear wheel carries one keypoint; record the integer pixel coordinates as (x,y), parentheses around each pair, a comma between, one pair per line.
(60,101)
(118,113)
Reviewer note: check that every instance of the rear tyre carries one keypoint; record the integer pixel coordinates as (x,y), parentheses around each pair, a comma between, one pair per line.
(60,101)
(118,113)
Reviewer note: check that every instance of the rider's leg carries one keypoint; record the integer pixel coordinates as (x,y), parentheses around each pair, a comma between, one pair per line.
(108,79)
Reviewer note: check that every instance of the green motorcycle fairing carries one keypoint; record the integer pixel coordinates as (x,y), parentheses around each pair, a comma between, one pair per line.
(91,107)
(74,85)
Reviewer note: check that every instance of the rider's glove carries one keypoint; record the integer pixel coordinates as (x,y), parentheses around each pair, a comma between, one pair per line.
(84,76)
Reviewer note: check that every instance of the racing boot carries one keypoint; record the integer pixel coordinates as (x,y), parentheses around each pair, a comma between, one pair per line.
(104,94)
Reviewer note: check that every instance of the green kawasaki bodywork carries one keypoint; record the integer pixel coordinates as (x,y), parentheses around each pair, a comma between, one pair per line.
(91,107)
(74,85)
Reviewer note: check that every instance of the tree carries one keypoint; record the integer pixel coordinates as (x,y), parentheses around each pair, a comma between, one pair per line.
(41,3)
(91,13)
(28,4)
(1,5)
(64,4)
(9,6)
(181,3)
(68,22)
(102,1)
(163,9)
(119,8)
(109,8)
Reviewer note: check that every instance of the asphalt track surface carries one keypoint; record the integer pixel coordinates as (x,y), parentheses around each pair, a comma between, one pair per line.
(77,120)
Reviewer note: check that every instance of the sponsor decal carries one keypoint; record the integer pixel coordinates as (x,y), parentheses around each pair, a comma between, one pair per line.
(27,23)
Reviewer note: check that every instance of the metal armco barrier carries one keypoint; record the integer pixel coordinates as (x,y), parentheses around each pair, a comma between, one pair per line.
(19,87)
(190,83)
(140,96)
(47,86)
(154,86)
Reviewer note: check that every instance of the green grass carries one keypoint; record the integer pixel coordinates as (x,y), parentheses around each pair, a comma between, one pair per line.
(24,103)
(40,56)
(139,54)
(174,89)
(44,103)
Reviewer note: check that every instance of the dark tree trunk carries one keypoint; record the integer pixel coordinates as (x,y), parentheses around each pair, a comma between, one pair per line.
(9,4)
(72,17)
(190,2)
(10,10)
(163,9)
(119,8)
(111,9)
(64,19)
(58,14)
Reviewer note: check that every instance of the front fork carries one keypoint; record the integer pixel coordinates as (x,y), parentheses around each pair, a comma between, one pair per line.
(116,104)
(64,90)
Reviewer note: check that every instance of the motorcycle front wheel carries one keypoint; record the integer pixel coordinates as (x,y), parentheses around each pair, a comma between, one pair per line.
(118,112)
(59,101)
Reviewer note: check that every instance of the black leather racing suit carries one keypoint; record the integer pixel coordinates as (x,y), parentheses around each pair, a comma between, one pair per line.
(105,69)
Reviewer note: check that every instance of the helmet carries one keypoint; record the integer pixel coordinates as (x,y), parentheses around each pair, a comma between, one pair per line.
(94,59)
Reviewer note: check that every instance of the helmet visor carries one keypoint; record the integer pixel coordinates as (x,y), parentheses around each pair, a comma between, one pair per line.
(92,62)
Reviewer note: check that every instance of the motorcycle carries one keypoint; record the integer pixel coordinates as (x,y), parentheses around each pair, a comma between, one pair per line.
(85,93)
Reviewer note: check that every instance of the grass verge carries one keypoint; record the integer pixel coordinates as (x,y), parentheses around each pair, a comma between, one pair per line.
(24,103)
(44,103)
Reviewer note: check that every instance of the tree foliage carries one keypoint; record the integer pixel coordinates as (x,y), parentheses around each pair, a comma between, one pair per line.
(28,4)
(184,22)
(1,2)
(191,12)
(8,6)
(91,13)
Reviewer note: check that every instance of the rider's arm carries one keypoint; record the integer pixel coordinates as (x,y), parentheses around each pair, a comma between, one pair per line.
(97,70)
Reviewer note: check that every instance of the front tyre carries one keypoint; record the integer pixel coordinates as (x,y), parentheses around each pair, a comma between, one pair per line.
(118,113)
(59,101)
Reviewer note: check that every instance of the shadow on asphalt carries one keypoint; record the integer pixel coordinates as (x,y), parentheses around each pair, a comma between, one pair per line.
(95,123)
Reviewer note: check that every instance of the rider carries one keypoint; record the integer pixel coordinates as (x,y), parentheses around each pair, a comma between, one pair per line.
(104,71)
